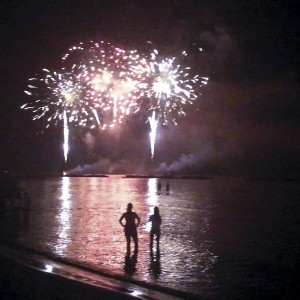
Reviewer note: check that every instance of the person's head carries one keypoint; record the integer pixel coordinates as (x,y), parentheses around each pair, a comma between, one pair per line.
(129,207)
(156,210)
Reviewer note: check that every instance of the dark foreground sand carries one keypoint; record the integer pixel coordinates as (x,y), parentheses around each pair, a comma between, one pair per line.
(20,282)
(29,274)
(25,276)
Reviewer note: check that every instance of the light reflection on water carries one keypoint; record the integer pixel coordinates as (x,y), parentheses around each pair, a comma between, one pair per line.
(210,229)
(77,218)
(64,216)
(152,200)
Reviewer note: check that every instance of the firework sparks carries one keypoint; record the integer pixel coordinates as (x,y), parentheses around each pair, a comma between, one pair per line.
(59,98)
(110,75)
(96,79)
(171,87)
(99,85)
(58,93)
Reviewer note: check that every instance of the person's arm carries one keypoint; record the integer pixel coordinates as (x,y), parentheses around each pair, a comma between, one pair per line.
(138,220)
(159,220)
(120,220)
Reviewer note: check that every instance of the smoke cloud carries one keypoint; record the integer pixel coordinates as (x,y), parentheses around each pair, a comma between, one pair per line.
(221,50)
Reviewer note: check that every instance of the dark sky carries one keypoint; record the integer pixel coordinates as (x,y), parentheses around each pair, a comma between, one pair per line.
(246,122)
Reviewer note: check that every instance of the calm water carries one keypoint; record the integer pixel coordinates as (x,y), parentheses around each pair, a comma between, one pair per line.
(224,238)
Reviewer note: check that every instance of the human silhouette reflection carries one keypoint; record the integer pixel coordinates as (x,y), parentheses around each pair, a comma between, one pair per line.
(155,267)
(130,263)
(132,221)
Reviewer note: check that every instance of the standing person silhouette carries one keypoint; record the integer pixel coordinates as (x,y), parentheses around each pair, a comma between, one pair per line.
(155,228)
(158,187)
(132,221)
(168,187)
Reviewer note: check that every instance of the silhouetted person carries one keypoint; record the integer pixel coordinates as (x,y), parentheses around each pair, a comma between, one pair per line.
(155,219)
(158,186)
(168,187)
(132,221)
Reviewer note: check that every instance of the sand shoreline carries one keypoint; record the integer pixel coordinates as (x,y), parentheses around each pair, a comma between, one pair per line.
(25,274)
(33,276)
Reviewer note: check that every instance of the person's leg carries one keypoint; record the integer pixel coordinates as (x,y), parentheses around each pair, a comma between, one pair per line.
(128,243)
(157,239)
(151,239)
(135,240)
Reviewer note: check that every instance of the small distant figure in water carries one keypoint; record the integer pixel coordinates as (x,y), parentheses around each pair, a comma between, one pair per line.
(25,204)
(155,228)
(168,187)
(158,187)
(21,207)
(132,221)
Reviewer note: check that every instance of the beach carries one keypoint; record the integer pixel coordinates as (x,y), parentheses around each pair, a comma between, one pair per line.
(21,282)
(225,238)
(25,275)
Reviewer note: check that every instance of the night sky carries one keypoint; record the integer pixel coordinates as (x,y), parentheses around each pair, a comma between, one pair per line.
(246,122)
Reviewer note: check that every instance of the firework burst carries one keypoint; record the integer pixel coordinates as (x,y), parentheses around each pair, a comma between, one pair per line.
(58,93)
(110,74)
(100,84)
(171,87)
(97,85)
(59,97)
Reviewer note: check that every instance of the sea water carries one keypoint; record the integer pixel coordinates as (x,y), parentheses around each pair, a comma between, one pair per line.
(222,238)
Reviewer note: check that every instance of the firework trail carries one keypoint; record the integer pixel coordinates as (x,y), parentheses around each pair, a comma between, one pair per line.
(153,126)
(66,136)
